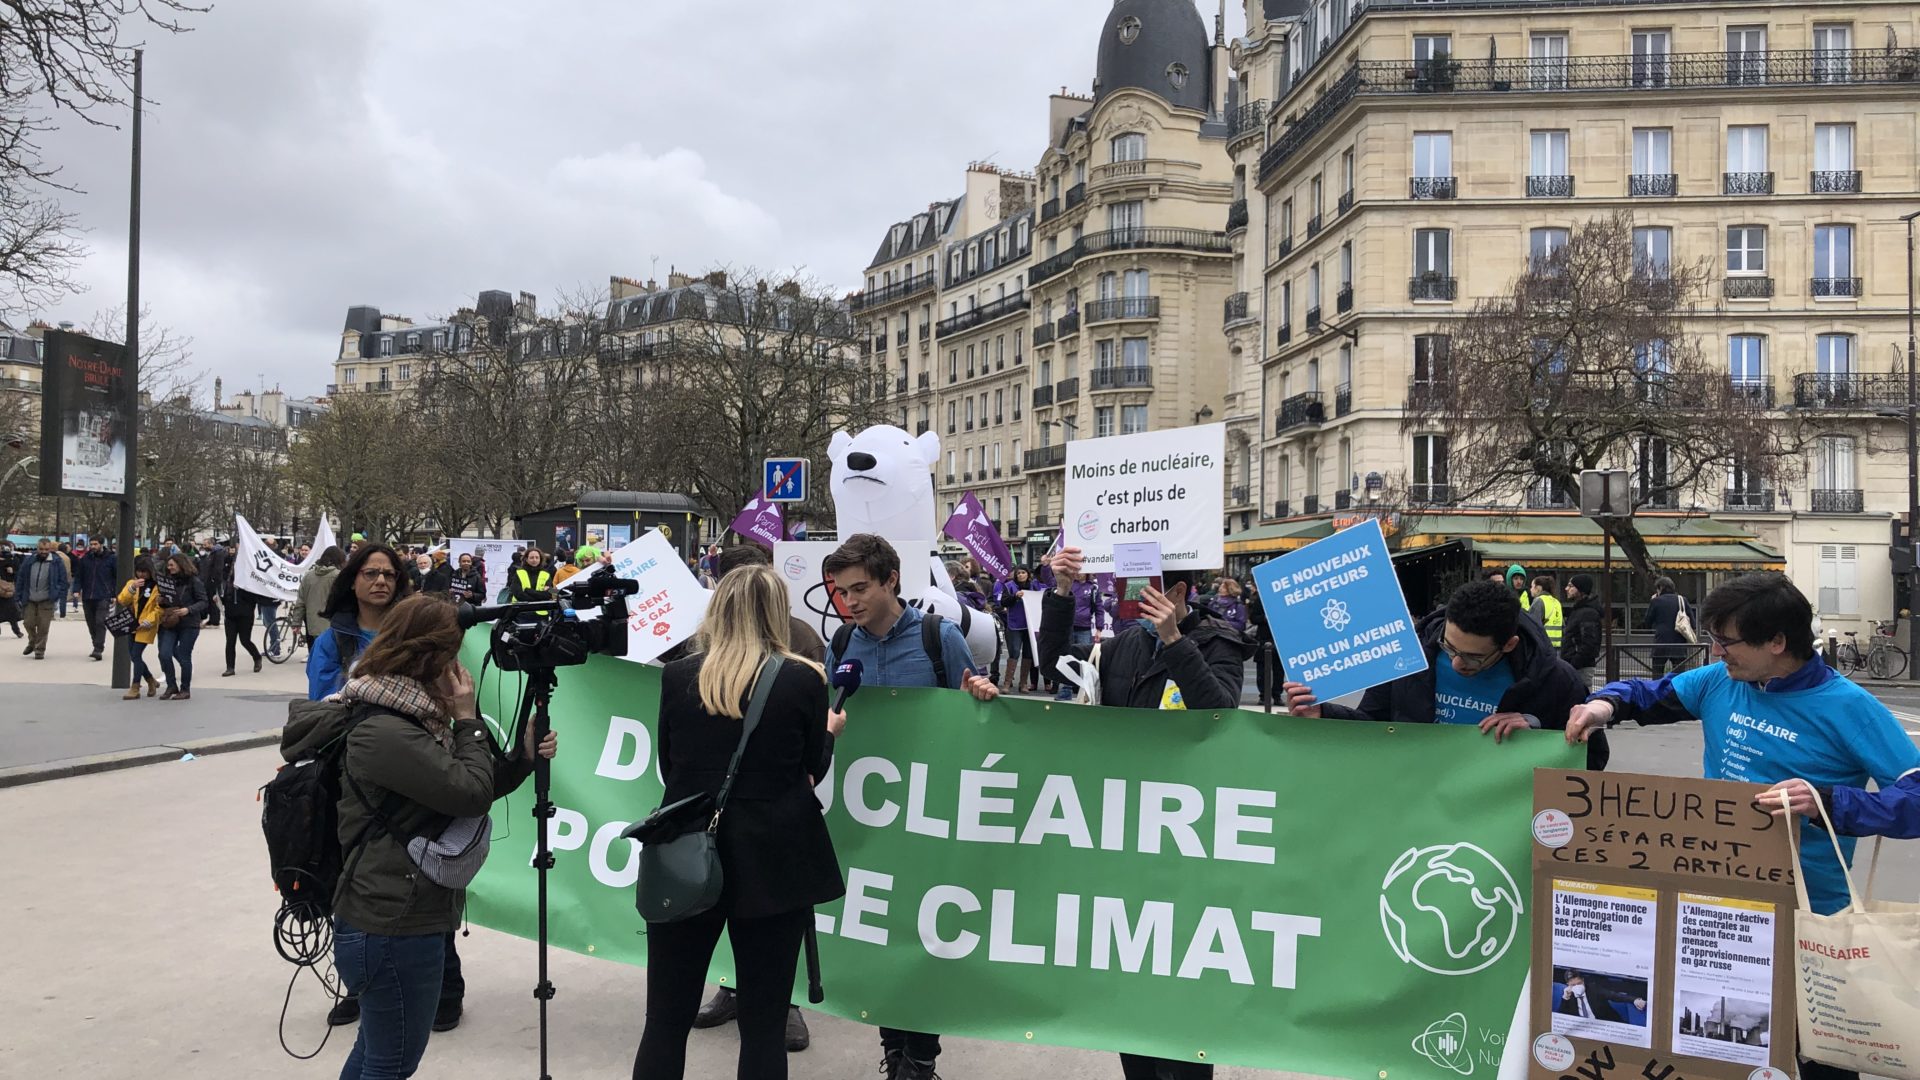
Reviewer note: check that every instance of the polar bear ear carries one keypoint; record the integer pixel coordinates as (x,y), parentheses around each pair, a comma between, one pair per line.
(929,444)
(837,446)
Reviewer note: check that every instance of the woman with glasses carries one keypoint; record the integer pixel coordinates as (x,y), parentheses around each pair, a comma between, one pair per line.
(365,590)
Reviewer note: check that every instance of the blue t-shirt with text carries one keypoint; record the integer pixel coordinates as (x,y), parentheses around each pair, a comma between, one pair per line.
(1468,699)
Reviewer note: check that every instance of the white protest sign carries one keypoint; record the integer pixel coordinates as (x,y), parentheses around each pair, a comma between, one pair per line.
(1162,486)
(670,604)
(810,596)
(1030,600)
(260,570)
(1136,560)
(495,555)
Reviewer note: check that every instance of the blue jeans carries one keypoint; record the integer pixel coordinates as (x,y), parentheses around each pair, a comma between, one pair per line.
(1066,692)
(138,651)
(398,982)
(176,647)
(268,613)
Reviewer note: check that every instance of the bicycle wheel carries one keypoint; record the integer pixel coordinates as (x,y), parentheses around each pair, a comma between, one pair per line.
(280,649)
(1886,662)
(1846,658)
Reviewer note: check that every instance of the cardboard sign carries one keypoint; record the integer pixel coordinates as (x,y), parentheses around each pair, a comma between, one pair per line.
(1336,610)
(1662,931)
(670,604)
(1162,486)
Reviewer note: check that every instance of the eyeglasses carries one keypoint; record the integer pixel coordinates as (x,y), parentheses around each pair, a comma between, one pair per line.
(1722,643)
(1474,661)
(378,575)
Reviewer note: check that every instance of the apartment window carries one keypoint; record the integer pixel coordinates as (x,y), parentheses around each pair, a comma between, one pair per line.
(1747,359)
(1543,246)
(1131,146)
(1432,154)
(406,372)
(1019,340)
(1126,215)
(999,351)
(1839,579)
(1014,501)
(1286,303)
(1833,251)
(1000,405)
(350,376)
(1346,172)
(1547,61)
(439,340)
(1102,355)
(1133,352)
(384,379)
(386,345)
(1430,466)
(1133,284)
(953,364)
(1832,43)
(1652,251)
(1024,231)
(1107,285)
(1431,47)
(953,415)
(1346,365)
(1430,358)
(1652,50)
(970,365)
(1346,263)
(1747,249)
(1746,54)
(1313,376)
(1652,151)
(1432,253)
(1316,188)
(1833,354)
(1103,421)
(966,462)
(1549,154)
(1046,371)
(1345,480)
(1747,148)
(1285,228)
(1833,463)
(1313,287)
(1833,147)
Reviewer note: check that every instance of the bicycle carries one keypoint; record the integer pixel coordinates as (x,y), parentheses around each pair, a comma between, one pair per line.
(292,635)
(1882,660)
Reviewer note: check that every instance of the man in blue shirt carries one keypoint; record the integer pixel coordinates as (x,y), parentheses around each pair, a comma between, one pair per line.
(1770,710)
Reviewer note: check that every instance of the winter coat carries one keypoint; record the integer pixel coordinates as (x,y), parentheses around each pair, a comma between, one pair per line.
(1544,687)
(59,583)
(438,580)
(1208,663)
(147,615)
(1580,640)
(332,652)
(95,576)
(312,600)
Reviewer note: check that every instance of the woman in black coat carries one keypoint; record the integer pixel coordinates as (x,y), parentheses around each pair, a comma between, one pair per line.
(1669,648)
(775,853)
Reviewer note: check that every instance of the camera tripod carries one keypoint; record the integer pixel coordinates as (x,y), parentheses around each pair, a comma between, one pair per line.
(541,683)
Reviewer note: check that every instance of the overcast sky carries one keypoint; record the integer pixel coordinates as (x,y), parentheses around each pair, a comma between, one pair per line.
(305,157)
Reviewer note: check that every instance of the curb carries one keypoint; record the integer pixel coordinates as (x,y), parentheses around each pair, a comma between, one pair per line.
(128,759)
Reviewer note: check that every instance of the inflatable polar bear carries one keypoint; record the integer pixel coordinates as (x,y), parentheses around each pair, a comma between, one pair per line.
(882,483)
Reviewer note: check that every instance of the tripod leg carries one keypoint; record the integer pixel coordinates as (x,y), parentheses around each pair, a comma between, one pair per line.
(814,992)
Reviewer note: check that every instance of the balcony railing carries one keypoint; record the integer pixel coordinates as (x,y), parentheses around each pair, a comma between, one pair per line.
(1852,390)
(1549,187)
(1746,183)
(921,428)
(1282,509)
(1310,504)
(1549,498)
(1246,119)
(926,331)
(1343,399)
(1282,248)
(1835,286)
(1652,184)
(1835,182)
(1047,457)
(1076,195)
(1130,240)
(1237,215)
(1068,324)
(899,290)
(1299,410)
(900,385)
(879,343)
(1313,226)
(1236,309)
(1342,499)
(1432,287)
(1050,209)
(925,381)
(1284,335)
(1432,187)
(1838,500)
(1121,377)
(1737,499)
(1429,494)
(1043,334)
(1343,300)
(1747,288)
(1313,319)
(1524,75)
(1123,307)
(1042,396)
(1753,393)
(1424,393)
(988,312)
(1345,204)
(1066,389)
(900,338)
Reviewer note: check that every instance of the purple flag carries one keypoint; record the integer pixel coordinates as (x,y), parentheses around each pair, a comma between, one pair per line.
(760,522)
(975,531)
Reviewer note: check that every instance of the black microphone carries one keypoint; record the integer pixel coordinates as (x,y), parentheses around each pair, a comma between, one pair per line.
(847,677)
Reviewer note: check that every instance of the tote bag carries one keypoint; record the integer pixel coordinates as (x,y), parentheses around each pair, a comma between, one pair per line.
(1858,977)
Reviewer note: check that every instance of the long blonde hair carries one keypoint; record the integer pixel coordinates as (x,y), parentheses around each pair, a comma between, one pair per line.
(746,622)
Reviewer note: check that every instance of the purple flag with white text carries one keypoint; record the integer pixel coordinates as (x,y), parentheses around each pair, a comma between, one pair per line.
(975,531)
(760,522)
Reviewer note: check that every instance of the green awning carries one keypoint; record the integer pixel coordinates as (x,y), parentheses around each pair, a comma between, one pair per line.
(1748,556)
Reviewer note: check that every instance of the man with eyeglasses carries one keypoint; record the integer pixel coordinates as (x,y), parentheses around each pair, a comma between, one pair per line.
(1770,710)
(1486,666)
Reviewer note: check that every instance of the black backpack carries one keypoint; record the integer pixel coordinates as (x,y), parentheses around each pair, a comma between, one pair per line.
(929,640)
(300,816)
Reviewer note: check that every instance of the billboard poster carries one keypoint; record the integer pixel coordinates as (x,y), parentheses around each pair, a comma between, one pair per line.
(86,416)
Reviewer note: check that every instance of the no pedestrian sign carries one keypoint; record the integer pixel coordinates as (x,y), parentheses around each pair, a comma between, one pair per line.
(1336,607)
(785,480)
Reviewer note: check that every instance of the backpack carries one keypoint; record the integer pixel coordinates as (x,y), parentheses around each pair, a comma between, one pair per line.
(300,816)
(929,640)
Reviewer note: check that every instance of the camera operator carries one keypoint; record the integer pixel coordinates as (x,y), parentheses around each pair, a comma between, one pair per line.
(365,590)
(421,756)
(775,854)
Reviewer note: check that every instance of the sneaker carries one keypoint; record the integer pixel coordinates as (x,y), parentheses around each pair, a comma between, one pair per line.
(798,1038)
(95,654)
(447,1016)
(344,1012)
(721,1008)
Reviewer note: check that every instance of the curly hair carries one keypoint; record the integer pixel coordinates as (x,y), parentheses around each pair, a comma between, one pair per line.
(1485,608)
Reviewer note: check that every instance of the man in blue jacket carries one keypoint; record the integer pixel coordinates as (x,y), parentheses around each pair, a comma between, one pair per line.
(96,575)
(1770,710)
(1892,812)
(42,584)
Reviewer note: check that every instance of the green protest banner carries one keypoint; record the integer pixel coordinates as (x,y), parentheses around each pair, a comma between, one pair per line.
(1345,899)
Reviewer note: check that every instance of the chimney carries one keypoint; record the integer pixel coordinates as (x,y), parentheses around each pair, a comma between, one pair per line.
(717,279)
(788,288)
(216,392)
(677,280)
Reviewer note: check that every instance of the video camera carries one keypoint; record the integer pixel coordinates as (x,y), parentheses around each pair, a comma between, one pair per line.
(546,634)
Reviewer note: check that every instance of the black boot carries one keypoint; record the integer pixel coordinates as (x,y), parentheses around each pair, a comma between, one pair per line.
(722,1008)
(447,1016)
(798,1038)
(345,1011)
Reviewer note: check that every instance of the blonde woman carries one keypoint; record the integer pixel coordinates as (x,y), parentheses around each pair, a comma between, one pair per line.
(776,857)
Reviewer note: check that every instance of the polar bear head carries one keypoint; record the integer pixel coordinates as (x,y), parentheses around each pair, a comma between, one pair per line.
(882,482)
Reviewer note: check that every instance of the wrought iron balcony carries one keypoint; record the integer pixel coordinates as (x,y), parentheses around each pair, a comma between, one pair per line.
(1838,500)
(1123,307)
(1236,309)
(987,312)
(1424,393)
(1653,184)
(900,385)
(1746,183)
(1850,391)
(1121,377)
(1299,410)
(899,290)
(1042,396)
(1432,287)
(1237,215)
(920,428)
(1047,457)
(1310,504)
(1239,495)
(1282,248)
(1076,195)
(1835,286)
(1754,393)
(1313,319)
(1246,119)
(1432,187)
(1429,494)
(1832,182)
(900,338)
(1345,204)
(926,381)
(1747,288)
(1281,509)
(1043,334)
(1342,499)
(1285,334)
(1342,399)
(926,331)
(1068,324)
(1132,239)
(1547,497)
(1655,289)
(880,343)
(1050,209)
(1549,187)
(1313,226)
(1343,300)
(1066,389)
(1738,499)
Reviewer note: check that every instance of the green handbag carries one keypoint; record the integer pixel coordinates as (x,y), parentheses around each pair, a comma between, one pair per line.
(680,874)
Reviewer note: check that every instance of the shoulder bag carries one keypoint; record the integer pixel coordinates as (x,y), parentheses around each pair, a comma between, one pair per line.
(1683,622)
(680,874)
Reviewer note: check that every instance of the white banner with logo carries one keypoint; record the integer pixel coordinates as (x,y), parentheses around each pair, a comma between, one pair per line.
(495,555)
(260,570)
(1158,485)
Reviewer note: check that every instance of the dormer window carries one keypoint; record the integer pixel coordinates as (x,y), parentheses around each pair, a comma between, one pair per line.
(1177,75)
(1129,30)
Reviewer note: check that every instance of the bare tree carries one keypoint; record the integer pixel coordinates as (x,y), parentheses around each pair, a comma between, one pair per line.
(20,499)
(360,460)
(166,355)
(1587,362)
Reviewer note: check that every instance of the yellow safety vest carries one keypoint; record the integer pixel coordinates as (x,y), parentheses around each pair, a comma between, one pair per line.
(1554,618)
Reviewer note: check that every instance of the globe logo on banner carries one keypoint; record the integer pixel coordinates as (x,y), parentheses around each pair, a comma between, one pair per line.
(1450,909)
(1445,1044)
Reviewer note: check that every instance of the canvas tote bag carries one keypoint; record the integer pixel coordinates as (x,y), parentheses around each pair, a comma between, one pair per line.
(1857,976)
